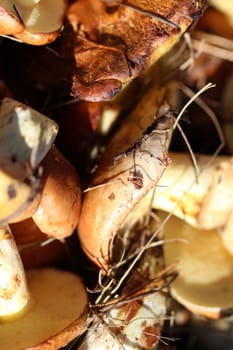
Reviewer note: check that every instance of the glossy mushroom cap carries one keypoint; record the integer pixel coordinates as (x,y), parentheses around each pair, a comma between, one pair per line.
(59,208)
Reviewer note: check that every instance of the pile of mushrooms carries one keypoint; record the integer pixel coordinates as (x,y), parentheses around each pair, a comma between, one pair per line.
(204,207)
(35,309)
(136,180)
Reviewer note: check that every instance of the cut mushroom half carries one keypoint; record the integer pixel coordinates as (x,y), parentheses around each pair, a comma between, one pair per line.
(205,269)
(35,22)
(25,138)
(133,162)
(47,312)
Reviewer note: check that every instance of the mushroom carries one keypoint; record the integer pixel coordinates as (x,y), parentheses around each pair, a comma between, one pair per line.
(52,197)
(46,312)
(137,326)
(119,40)
(58,212)
(224,7)
(25,138)
(36,248)
(36,22)
(205,269)
(131,165)
(205,202)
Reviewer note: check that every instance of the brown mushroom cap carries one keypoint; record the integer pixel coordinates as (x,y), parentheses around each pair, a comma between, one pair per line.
(115,43)
(205,281)
(57,313)
(58,212)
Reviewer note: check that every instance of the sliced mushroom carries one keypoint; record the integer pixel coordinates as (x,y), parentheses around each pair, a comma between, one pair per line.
(35,22)
(46,314)
(205,269)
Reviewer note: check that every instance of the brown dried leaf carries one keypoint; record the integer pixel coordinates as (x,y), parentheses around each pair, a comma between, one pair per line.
(115,42)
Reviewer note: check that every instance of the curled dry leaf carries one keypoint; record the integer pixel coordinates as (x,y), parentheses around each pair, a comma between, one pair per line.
(117,40)
(133,162)
(25,138)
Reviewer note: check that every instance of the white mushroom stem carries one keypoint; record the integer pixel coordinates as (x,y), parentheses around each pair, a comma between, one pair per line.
(14,295)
